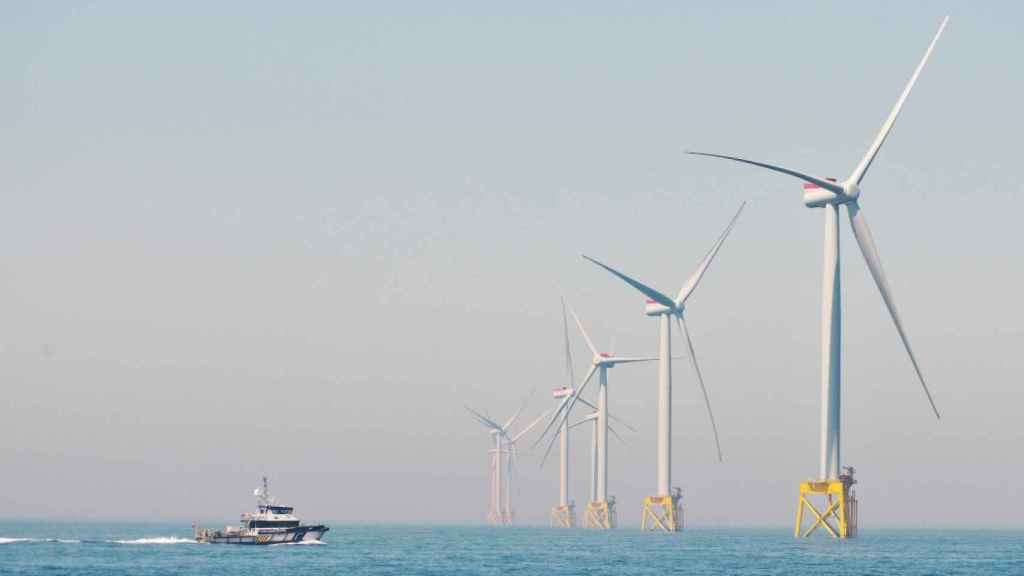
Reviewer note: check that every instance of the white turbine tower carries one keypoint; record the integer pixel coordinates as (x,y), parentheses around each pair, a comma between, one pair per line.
(593,521)
(663,510)
(501,513)
(563,515)
(828,194)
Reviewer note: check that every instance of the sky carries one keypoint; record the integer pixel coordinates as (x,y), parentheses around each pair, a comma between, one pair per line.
(298,239)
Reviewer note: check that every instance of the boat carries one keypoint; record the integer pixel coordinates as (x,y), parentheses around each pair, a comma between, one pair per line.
(270,524)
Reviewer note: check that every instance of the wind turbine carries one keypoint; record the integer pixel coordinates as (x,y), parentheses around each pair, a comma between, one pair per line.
(600,510)
(564,514)
(663,509)
(829,194)
(504,444)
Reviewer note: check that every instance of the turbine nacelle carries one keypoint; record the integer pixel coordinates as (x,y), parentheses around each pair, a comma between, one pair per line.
(604,359)
(654,308)
(817,197)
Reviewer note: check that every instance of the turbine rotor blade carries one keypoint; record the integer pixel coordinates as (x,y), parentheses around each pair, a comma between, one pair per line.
(586,337)
(513,418)
(643,288)
(588,418)
(565,407)
(700,380)
(629,360)
(865,163)
(568,349)
(568,409)
(616,434)
(530,426)
(695,278)
(611,416)
(554,418)
(614,418)
(822,182)
(483,419)
(862,233)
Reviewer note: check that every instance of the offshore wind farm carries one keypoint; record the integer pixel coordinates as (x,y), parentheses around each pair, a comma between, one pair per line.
(487,289)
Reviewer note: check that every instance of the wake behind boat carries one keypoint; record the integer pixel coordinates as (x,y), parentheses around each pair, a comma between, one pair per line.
(272,524)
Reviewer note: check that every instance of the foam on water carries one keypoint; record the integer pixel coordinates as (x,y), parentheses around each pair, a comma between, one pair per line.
(303,543)
(156,540)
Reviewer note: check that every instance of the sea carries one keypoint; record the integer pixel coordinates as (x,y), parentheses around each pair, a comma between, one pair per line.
(44,548)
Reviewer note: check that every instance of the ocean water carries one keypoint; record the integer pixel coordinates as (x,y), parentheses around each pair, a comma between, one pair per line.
(37,548)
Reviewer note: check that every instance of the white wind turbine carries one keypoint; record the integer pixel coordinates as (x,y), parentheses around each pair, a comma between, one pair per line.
(504,446)
(663,508)
(563,515)
(828,194)
(598,509)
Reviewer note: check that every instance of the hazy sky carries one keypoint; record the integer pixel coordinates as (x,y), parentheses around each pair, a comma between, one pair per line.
(297,239)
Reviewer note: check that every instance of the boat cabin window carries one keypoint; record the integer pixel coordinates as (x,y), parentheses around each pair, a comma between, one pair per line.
(273,523)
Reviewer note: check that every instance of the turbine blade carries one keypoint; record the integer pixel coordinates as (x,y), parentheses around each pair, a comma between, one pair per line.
(700,380)
(611,416)
(822,182)
(530,426)
(565,407)
(547,451)
(554,418)
(586,419)
(629,360)
(616,434)
(483,419)
(568,409)
(614,418)
(862,234)
(590,343)
(865,163)
(513,418)
(568,349)
(691,284)
(646,290)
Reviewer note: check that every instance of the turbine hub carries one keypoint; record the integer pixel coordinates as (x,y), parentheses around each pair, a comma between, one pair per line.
(852,190)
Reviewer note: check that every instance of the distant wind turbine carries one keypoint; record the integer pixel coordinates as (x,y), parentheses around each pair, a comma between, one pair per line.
(663,509)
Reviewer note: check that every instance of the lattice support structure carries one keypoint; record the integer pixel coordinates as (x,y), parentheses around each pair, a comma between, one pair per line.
(601,514)
(563,516)
(663,512)
(837,514)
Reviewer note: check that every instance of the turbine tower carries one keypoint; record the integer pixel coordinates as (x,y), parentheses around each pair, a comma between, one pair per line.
(834,481)
(594,520)
(663,510)
(500,512)
(563,515)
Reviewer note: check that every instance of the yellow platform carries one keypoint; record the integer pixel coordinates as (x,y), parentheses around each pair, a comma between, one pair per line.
(563,516)
(663,512)
(838,513)
(600,514)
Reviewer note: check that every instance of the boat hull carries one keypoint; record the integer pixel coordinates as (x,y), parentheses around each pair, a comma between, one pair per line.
(264,538)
